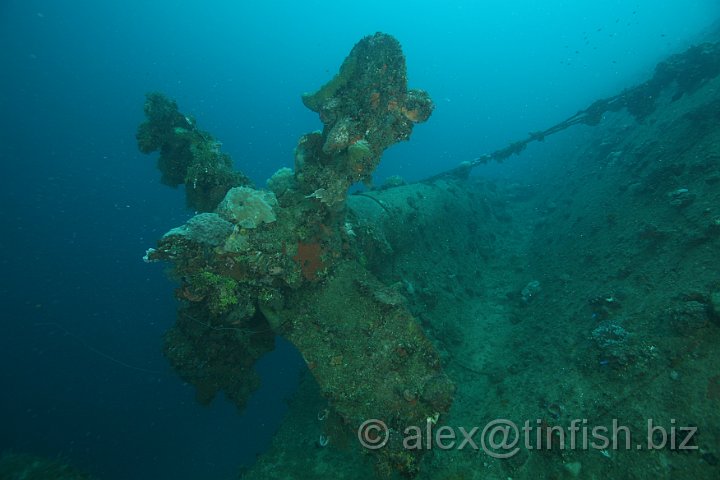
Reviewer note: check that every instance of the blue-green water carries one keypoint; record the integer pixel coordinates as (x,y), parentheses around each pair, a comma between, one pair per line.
(81,365)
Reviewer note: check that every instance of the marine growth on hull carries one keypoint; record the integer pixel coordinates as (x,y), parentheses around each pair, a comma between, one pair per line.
(463,328)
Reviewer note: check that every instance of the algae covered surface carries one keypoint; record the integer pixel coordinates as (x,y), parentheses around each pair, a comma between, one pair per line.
(286,262)
(584,298)
(465,327)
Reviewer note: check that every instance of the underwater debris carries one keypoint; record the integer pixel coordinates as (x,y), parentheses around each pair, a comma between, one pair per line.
(188,155)
(281,262)
(365,108)
(217,354)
